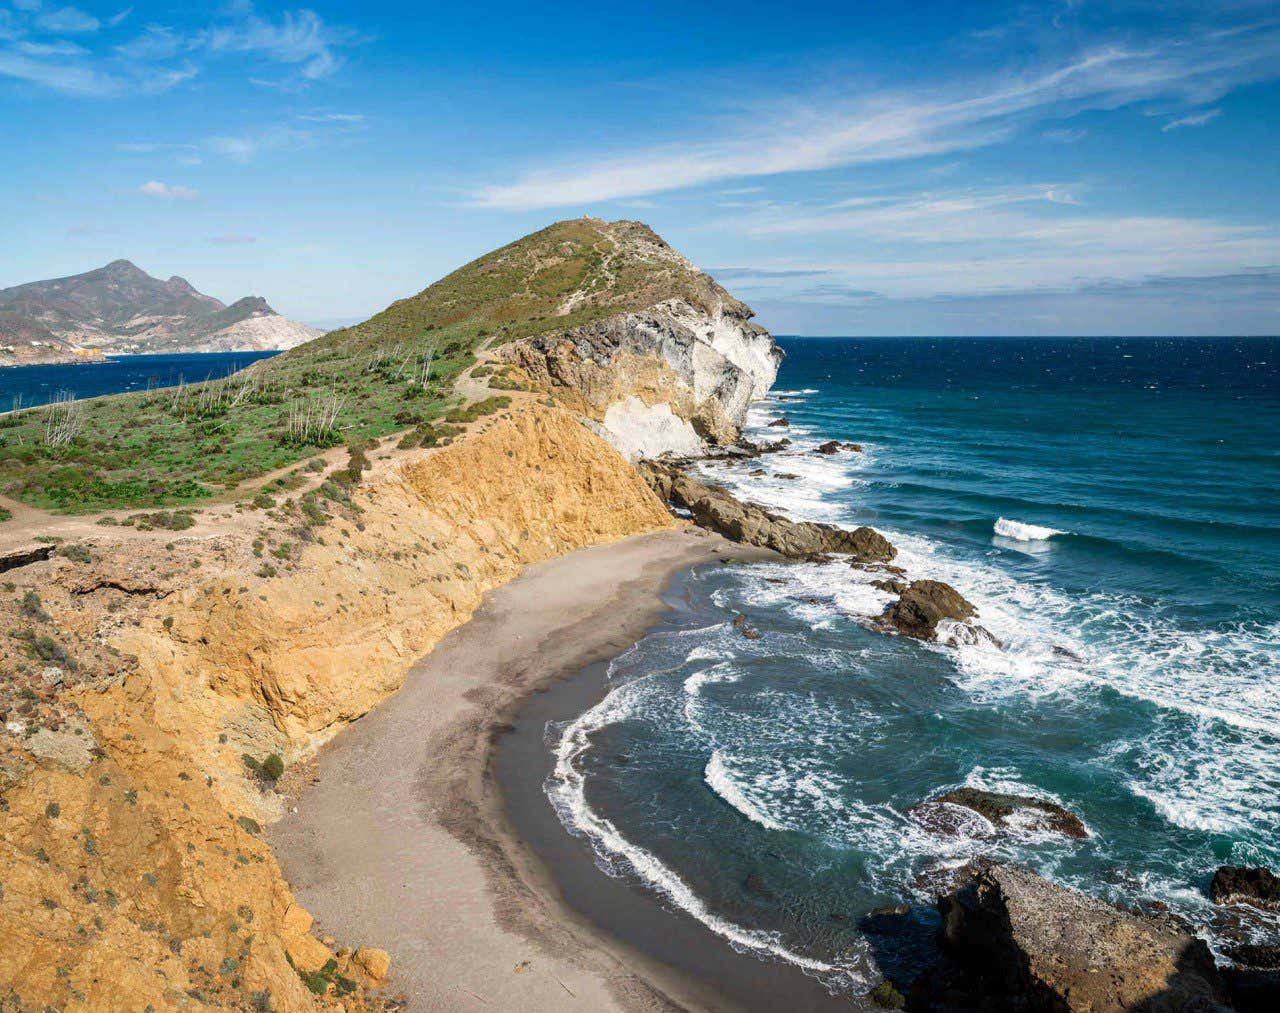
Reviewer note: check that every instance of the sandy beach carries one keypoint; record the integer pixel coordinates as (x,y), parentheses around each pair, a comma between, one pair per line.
(399,839)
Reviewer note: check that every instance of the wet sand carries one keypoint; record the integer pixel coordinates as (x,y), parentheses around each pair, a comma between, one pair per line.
(403,839)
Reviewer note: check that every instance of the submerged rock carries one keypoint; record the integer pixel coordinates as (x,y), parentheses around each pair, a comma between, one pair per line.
(1017,941)
(1002,810)
(780,423)
(714,508)
(923,605)
(1235,884)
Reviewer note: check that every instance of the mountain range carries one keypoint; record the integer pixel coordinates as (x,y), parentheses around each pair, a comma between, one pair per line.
(121,309)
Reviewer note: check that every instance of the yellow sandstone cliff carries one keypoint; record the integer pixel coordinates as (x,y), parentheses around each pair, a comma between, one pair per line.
(134,875)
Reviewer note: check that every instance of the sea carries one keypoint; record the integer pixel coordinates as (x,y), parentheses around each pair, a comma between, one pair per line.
(1111,506)
(30,386)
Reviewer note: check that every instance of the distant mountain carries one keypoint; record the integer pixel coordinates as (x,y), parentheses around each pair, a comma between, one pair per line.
(120,308)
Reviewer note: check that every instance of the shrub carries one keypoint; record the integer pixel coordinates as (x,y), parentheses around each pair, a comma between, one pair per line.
(32,607)
(76,553)
(273,766)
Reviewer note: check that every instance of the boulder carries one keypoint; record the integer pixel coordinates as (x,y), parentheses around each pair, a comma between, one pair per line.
(890,584)
(835,446)
(923,605)
(714,508)
(1021,942)
(1235,884)
(374,962)
(780,423)
(1253,977)
(1002,810)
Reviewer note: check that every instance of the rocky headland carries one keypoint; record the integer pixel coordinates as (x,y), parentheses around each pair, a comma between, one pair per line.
(187,634)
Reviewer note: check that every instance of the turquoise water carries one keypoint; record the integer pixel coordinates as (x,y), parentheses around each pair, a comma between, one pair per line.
(764,786)
(28,386)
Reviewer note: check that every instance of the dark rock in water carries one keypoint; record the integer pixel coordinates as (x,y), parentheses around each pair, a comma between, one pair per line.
(886,921)
(1234,884)
(756,472)
(782,423)
(997,808)
(746,449)
(835,446)
(742,626)
(714,508)
(1066,652)
(890,584)
(1017,941)
(1253,977)
(923,605)
(886,996)
(787,475)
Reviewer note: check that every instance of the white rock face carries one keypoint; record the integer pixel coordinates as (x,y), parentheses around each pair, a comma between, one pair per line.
(640,431)
(269,332)
(748,347)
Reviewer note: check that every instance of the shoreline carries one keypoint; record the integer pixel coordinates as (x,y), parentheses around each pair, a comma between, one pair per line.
(399,838)
(623,907)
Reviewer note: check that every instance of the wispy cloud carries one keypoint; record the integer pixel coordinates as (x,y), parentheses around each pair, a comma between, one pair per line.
(157,57)
(332,117)
(1065,135)
(233,239)
(966,242)
(66,21)
(1193,120)
(817,132)
(167,191)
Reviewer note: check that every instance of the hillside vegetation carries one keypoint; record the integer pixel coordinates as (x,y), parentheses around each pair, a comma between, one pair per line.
(396,371)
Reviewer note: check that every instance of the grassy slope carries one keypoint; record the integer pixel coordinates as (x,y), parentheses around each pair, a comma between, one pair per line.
(174,447)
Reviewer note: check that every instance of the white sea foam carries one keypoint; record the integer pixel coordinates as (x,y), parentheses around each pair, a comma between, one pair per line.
(1065,643)
(720,779)
(617,855)
(1021,532)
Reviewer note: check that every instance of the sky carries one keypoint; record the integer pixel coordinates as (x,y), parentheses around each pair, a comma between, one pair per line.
(846,168)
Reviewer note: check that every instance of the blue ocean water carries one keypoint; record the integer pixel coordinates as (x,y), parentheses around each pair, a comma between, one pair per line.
(765,785)
(37,385)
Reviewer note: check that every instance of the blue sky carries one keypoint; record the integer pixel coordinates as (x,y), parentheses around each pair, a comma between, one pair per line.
(846,168)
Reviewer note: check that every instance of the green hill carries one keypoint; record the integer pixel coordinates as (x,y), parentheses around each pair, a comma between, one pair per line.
(183,445)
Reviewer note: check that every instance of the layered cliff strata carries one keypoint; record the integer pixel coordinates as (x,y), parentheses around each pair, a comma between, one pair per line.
(668,378)
(154,663)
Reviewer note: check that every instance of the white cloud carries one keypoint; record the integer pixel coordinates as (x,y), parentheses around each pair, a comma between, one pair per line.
(167,191)
(68,20)
(817,133)
(300,38)
(159,57)
(233,239)
(333,117)
(1012,239)
(1193,120)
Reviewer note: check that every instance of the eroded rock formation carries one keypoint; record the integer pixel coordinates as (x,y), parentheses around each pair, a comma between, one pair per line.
(719,511)
(1017,941)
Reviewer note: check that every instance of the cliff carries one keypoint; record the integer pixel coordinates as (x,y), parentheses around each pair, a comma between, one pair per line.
(133,872)
(162,669)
